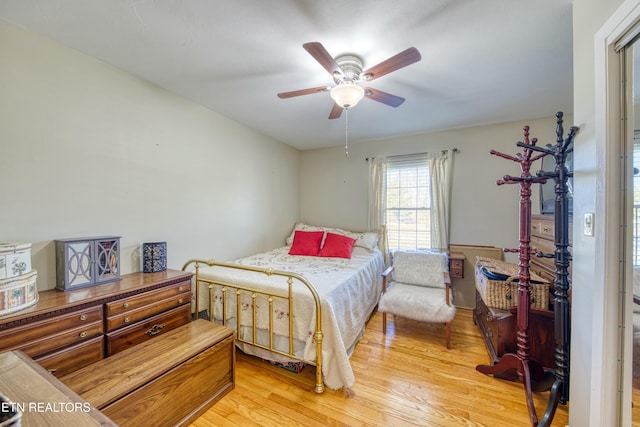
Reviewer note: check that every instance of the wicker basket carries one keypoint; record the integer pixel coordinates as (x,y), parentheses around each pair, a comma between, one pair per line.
(503,294)
(10,416)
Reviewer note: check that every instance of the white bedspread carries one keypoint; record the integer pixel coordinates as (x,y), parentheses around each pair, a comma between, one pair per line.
(349,290)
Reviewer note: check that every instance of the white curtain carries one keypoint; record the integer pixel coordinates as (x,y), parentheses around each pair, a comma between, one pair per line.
(377,200)
(377,192)
(441,169)
(441,177)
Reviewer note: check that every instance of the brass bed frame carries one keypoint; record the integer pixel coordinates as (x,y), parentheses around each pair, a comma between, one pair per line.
(292,279)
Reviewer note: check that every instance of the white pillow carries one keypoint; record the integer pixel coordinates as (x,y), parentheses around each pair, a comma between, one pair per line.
(420,268)
(368,240)
(303,227)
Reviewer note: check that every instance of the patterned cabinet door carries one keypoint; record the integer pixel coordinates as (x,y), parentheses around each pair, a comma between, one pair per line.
(77,257)
(107,265)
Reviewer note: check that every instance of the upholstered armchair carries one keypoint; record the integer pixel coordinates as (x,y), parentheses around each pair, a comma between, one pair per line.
(417,287)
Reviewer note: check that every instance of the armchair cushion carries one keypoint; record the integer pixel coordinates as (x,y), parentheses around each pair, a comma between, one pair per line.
(420,268)
(417,302)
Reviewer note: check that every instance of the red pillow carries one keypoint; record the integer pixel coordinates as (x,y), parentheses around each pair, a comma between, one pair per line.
(306,243)
(337,245)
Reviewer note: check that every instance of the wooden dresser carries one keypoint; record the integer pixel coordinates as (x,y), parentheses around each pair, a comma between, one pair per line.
(66,331)
(543,240)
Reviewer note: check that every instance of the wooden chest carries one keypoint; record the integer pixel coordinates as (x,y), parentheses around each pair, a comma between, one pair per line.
(41,399)
(499,328)
(167,381)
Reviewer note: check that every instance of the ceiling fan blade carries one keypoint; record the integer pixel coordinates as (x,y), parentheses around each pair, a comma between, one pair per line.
(303,92)
(336,111)
(384,97)
(321,55)
(404,58)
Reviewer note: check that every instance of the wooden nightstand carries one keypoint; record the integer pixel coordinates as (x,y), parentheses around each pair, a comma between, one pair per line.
(456,265)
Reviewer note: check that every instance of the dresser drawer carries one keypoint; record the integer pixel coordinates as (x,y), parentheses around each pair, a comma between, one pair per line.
(127,305)
(62,339)
(543,227)
(26,335)
(145,330)
(456,263)
(70,359)
(457,273)
(545,270)
(544,246)
(131,317)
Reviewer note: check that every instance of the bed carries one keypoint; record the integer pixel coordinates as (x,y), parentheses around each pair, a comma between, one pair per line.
(297,309)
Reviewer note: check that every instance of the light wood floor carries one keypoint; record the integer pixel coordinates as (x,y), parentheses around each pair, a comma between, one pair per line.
(406,378)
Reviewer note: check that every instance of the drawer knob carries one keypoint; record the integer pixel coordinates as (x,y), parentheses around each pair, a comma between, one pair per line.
(127,319)
(180,301)
(179,288)
(83,317)
(125,305)
(155,330)
(83,334)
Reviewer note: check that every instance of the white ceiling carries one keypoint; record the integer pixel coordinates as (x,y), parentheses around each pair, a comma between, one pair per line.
(483,61)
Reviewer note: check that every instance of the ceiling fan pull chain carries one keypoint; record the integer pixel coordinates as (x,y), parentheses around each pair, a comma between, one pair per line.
(346,132)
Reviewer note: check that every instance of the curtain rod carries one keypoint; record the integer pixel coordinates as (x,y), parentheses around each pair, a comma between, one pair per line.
(453,150)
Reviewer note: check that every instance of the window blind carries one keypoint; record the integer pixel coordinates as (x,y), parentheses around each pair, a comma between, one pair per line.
(408,203)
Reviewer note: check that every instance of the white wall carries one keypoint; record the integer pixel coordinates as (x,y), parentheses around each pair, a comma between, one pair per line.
(594,345)
(334,188)
(88,150)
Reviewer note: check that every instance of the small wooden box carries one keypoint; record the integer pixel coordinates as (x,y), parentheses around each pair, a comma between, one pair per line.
(456,265)
(85,262)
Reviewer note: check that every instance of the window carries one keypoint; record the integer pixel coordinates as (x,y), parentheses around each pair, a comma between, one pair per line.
(408,204)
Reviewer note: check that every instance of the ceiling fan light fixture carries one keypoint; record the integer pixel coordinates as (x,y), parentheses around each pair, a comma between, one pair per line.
(347,94)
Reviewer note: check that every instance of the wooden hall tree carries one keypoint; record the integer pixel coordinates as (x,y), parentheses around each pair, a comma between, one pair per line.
(528,370)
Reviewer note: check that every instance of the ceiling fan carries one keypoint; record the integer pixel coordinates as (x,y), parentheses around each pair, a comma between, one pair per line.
(347,72)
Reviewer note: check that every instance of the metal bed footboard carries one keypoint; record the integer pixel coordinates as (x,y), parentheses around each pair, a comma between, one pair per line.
(286,294)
